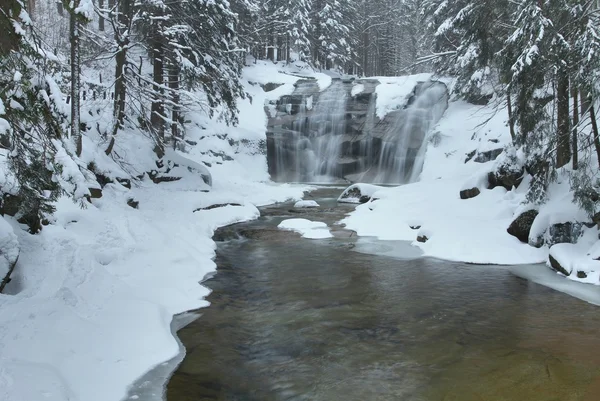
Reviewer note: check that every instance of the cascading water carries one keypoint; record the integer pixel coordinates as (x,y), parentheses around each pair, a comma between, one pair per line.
(404,144)
(319,132)
(339,137)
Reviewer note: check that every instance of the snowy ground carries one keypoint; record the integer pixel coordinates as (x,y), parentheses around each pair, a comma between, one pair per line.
(93,295)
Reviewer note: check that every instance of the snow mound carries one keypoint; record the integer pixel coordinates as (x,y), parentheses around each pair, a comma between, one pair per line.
(306,204)
(580,265)
(354,193)
(307,228)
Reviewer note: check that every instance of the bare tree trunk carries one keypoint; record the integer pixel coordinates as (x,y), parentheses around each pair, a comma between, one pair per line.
(575,96)
(75,80)
(175,112)
(563,148)
(101,16)
(158,109)
(511,119)
(122,40)
(594,128)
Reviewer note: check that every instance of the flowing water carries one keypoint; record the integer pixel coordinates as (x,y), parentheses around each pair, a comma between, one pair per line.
(317,145)
(298,319)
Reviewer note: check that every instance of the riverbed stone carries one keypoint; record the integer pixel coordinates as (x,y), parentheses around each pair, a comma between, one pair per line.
(469,193)
(557,266)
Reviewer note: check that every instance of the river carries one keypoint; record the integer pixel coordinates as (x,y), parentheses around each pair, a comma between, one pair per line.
(335,319)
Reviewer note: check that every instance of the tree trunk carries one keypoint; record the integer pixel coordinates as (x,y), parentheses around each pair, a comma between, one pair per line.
(9,39)
(175,112)
(594,129)
(157,108)
(575,95)
(124,19)
(563,147)
(511,120)
(101,16)
(75,80)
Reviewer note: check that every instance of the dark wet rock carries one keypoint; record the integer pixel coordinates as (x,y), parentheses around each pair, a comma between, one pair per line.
(521,226)
(133,203)
(505,177)
(484,157)
(10,205)
(581,274)
(470,156)
(364,199)
(217,205)
(556,266)
(414,227)
(469,193)
(422,238)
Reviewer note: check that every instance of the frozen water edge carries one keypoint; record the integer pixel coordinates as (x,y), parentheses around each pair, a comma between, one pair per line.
(153,384)
(543,275)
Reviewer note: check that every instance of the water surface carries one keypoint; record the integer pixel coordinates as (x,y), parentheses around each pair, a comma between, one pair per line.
(298,319)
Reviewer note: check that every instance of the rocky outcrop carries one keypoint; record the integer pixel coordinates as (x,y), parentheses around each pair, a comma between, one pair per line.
(521,226)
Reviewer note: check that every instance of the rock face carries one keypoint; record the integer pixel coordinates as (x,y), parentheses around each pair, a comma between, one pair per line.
(469,193)
(521,226)
(332,133)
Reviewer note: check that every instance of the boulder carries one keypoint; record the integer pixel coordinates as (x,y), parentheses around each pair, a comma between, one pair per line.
(564,233)
(10,205)
(422,238)
(484,157)
(505,177)
(521,226)
(469,193)
(556,266)
(95,193)
(133,203)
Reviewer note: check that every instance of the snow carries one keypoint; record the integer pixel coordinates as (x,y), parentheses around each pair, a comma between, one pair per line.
(93,295)
(393,92)
(306,204)
(472,230)
(308,229)
(357,89)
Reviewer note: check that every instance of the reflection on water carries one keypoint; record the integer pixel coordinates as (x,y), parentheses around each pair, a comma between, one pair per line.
(298,319)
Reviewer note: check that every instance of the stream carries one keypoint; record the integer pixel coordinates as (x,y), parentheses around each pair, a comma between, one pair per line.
(347,319)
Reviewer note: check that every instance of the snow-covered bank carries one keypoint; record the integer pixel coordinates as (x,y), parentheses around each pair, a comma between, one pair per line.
(467,144)
(90,306)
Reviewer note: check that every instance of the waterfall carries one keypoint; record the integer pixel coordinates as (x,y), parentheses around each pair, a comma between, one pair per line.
(328,136)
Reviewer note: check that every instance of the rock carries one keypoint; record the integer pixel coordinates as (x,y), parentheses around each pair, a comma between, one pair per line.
(358,193)
(126,182)
(422,238)
(470,156)
(10,205)
(217,206)
(133,203)
(414,227)
(306,204)
(556,266)
(270,86)
(506,178)
(489,155)
(581,274)
(469,193)
(364,199)
(95,193)
(564,233)
(521,226)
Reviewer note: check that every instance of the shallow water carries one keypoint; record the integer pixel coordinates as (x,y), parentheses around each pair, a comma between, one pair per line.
(298,319)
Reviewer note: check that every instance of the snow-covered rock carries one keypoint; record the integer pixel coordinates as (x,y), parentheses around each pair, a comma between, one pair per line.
(358,193)
(306,204)
(572,261)
(307,228)
(9,248)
